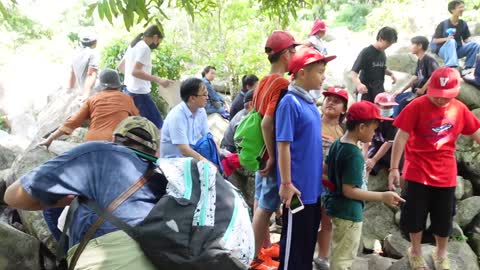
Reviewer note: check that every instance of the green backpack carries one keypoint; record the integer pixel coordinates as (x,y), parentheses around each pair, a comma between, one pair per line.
(248,138)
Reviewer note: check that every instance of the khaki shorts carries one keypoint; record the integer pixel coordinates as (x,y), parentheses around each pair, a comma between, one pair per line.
(112,251)
(345,243)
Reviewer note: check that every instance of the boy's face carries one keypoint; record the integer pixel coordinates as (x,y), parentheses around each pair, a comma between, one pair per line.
(320,34)
(439,101)
(366,132)
(384,44)
(313,76)
(458,10)
(415,48)
(333,106)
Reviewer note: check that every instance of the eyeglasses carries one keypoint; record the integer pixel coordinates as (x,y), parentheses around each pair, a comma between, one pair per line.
(204,95)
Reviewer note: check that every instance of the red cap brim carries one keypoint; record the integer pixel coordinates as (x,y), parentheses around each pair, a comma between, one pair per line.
(383,118)
(443,93)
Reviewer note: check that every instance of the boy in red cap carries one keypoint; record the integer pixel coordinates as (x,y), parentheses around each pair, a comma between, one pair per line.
(428,129)
(333,110)
(280,47)
(316,34)
(377,155)
(345,196)
(299,171)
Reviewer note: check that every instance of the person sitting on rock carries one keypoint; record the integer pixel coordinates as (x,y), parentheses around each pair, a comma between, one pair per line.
(315,38)
(377,153)
(99,171)
(370,68)
(215,103)
(452,37)
(474,78)
(426,65)
(347,191)
(227,141)
(105,110)
(428,129)
(249,82)
(187,124)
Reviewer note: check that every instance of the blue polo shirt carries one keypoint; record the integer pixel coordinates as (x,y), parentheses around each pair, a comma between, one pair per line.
(298,122)
(100,171)
(181,126)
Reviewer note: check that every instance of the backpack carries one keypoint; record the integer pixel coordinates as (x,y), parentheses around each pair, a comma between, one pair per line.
(201,222)
(248,137)
(435,47)
(207,148)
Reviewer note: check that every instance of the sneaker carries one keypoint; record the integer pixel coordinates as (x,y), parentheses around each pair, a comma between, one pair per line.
(272,252)
(467,71)
(322,264)
(263,262)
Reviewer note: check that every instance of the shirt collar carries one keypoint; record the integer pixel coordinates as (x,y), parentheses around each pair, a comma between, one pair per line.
(186,110)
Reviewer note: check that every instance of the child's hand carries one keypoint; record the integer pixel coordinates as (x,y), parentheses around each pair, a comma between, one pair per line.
(391,198)
(393,179)
(286,193)
(370,163)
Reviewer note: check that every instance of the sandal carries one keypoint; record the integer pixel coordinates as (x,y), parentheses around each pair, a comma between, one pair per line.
(440,263)
(416,262)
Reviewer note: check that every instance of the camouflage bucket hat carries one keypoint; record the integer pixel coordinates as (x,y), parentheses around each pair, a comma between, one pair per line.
(132,122)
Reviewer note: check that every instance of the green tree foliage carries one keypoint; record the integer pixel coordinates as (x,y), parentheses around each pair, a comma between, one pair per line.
(353,16)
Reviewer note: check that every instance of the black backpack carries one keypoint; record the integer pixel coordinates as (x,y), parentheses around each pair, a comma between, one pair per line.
(201,223)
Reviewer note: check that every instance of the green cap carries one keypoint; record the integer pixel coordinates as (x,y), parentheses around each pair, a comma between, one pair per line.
(132,122)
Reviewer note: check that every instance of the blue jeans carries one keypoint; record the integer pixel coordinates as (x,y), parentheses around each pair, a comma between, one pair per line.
(266,192)
(147,107)
(450,53)
(400,99)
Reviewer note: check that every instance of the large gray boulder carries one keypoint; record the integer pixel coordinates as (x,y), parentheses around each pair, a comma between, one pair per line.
(217,125)
(468,189)
(467,210)
(378,182)
(403,62)
(460,188)
(18,250)
(372,262)
(378,223)
(468,155)
(473,234)
(395,246)
(460,254)
(30,159)
(7,157)
(34,224)
(469,95)
(61,105)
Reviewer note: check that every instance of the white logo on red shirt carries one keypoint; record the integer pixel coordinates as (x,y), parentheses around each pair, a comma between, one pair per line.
(443,81)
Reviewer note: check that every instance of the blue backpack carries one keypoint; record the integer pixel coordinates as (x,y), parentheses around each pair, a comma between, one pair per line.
(435,47)
(206,147)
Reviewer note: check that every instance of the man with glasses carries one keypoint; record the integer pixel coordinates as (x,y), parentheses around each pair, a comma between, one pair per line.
(280,47)
(186,123)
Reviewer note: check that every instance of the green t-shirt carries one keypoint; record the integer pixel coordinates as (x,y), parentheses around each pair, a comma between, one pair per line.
(345,165)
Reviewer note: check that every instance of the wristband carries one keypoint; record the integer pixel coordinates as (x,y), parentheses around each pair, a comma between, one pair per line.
(286,184)
(391,169)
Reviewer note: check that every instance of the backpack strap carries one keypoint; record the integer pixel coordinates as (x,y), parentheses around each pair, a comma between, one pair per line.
(266,93)
(111,207)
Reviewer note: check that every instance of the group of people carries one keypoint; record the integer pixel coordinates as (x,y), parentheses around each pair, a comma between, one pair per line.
(320,159)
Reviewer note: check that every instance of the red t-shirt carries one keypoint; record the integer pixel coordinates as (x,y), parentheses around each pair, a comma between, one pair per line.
(271,96)
(430,149)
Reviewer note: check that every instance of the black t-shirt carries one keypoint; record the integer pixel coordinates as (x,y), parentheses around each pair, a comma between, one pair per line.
(462,31)
(425,67)
(371,64)
(384,133)
(237,103)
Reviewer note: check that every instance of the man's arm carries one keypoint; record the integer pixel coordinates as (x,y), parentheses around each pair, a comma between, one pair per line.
(268,136)
(89,81)
(187,151)
(397,150)
(390,73)
(407,86)
(121,66)
(71,79)
(380,153)
(361,88)
(17,197)
(355,193)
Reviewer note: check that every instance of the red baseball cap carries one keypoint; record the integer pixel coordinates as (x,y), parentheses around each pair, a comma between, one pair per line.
(444,83)
(306,56)
(278,41)
(336,91)
(318,26)
(385,99)
(365,110)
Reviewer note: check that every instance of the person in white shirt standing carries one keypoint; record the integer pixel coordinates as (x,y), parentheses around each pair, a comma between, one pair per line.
(137,67)
(314,40)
